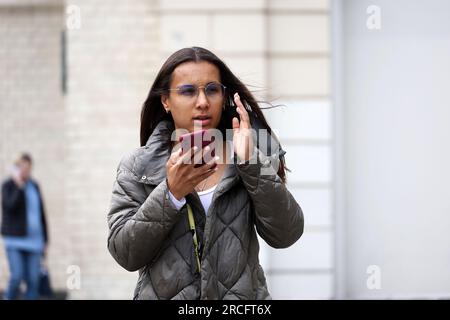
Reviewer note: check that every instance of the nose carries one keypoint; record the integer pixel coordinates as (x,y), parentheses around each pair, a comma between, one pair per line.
(202,101)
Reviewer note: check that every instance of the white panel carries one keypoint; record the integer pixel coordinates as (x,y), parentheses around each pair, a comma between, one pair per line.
(239,33)
(301,286)
(299,76)
(312,251)
(301,119)
(308,163)
(250,70)
(299,4)
(299,33)
(397,135)
(316,205)
(179,31)
(210,5)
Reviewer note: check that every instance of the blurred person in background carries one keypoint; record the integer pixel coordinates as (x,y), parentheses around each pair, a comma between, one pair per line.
(24,229)
(190,230)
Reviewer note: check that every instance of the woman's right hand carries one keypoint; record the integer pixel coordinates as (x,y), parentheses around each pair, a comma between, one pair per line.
(17,177)
(182,176)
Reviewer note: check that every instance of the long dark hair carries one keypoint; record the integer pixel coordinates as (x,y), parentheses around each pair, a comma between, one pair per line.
(153,111)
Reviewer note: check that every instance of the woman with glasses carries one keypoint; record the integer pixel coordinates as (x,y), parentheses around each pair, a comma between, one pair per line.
(191,230)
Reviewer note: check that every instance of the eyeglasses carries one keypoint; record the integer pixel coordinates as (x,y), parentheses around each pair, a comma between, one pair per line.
(213,91)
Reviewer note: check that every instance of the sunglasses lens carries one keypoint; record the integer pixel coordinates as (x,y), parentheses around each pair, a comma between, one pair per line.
(188,90)
(214,90)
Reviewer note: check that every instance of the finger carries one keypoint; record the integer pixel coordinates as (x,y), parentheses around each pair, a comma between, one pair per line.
(235,124)
(202,175)
(199,155)
(186,158)
(242,111)
(175,155)
(193,155)
(209,152)
(243,124)
(212,164)
(205,167)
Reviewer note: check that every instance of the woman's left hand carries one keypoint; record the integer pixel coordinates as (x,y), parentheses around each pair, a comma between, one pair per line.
(242,133)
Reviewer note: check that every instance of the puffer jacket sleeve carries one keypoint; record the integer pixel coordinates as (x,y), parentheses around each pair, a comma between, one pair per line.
(278,217)
(138,224)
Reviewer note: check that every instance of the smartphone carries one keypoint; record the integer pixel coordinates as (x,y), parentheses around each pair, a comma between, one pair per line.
(15,171)
(197,138)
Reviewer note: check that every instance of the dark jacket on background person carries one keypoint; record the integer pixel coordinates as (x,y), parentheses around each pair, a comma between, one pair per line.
(147,232)
(14,212)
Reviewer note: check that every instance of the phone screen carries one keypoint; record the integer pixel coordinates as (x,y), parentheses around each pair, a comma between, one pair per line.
(198,139)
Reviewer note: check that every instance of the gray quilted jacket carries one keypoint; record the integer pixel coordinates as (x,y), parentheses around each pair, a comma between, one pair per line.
(147,233)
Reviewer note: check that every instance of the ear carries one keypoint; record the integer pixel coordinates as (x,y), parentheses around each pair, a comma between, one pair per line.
(164,101)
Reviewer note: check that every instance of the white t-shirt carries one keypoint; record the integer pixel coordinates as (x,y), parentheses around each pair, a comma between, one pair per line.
(205,197)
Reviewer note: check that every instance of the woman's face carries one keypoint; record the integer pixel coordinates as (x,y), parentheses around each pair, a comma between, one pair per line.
(192,108)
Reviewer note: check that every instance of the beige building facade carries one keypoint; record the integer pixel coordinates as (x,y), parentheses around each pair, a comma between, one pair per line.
(75,74)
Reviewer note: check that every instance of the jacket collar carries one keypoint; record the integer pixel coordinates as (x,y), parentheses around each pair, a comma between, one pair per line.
(150,164)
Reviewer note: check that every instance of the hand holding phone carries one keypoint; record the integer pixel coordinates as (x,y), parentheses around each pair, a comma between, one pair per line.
(198,139)
(16,174)
(182,176)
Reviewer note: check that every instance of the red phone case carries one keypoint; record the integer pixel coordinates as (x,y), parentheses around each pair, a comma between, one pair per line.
(196,138)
